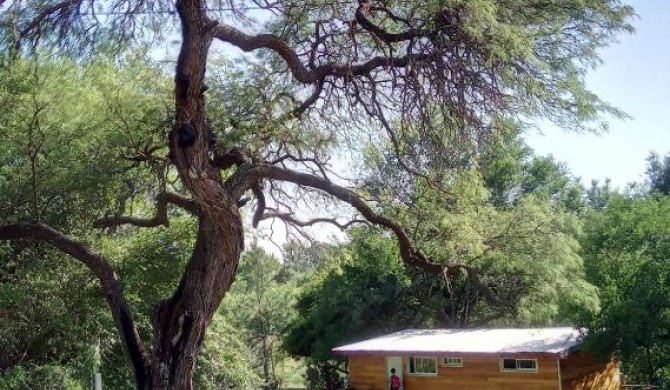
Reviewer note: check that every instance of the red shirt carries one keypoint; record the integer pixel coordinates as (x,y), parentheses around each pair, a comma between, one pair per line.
(395,381)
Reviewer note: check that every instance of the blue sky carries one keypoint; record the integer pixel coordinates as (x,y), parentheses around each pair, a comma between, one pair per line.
(635,77)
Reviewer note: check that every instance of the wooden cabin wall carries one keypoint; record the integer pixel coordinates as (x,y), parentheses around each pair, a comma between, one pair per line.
(367,372)
(477,373)
(583,371)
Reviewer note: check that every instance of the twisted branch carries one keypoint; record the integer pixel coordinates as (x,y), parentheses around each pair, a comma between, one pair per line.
(121,311)
(289,218)
(244,179)
(246,42)
(161,217)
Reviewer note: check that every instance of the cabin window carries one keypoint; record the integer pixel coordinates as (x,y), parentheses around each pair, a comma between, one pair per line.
(450,361)
(422,365)
(522,365)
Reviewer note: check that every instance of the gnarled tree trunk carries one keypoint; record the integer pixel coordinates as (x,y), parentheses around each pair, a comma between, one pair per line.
(180,323)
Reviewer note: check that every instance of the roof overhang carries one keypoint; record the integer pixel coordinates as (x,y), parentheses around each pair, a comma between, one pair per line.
(436,342)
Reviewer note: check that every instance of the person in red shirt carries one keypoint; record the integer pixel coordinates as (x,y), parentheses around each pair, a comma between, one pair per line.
(395,380)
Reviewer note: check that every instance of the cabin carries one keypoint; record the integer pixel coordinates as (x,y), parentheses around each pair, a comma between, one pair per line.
(479,359)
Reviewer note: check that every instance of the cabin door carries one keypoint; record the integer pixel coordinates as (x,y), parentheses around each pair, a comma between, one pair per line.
(394,362)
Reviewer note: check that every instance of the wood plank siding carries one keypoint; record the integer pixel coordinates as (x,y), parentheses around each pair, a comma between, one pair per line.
(479,372)
(582,371)
(367,372)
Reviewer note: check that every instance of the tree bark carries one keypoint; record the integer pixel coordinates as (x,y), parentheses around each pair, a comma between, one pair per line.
(180,323)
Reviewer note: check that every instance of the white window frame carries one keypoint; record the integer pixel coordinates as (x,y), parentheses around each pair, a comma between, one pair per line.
(517,369)
(411,364)
(452,361)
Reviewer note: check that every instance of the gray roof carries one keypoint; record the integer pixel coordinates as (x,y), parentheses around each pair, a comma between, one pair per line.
(558,341)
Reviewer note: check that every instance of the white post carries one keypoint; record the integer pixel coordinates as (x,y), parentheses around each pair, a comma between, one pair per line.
(97,383)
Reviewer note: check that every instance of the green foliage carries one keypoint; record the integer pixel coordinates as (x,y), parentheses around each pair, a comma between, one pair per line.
(61,163)
(598,194)
(260,307)
(259,117)
(302,262)
(62,139)
(224,362)
(367,295)
(44,377)
(47,312)
(66,138)
(658,171)
(324,376)
(69,316)
(513,216)
(537,243)
(626,251)
(150,263)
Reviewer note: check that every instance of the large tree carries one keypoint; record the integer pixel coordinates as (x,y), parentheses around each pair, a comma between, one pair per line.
(419,75)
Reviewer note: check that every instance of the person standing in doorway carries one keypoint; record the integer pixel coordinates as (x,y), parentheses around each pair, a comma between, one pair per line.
(395,380)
